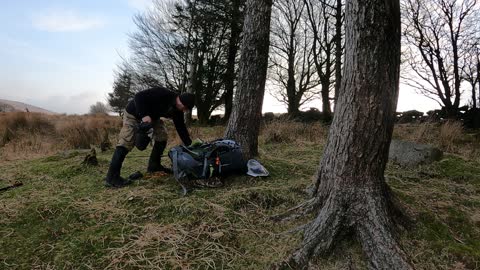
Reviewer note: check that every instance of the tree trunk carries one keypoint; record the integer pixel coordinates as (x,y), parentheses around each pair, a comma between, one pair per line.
(232,55)
(478,80)
(338,48)
(451,112)
(192,83)
(350,189)
(326,109)
(189,39)
(203,115)
(474,96)
(244,123)
(293,106)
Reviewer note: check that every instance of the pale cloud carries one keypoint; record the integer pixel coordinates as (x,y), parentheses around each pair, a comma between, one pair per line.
(59,20)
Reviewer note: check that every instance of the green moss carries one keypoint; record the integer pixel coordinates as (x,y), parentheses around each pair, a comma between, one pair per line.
(459,170)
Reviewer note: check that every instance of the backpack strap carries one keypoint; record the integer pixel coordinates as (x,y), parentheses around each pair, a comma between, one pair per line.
(205,167)
(175,164)
(176,173)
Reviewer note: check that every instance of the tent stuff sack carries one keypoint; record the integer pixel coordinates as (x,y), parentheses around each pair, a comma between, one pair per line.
(218,158)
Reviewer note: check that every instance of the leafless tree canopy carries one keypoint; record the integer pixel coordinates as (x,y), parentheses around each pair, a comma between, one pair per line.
(292,60)
(188,46)
(471,69)
(326,23)
(307,51)
(438,38)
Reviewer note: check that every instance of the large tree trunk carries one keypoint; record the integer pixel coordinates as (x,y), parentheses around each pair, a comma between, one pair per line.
(338,48)
(350,190)
(244,123)
(232,55)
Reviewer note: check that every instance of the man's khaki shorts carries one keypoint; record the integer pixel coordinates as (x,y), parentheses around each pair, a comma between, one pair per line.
(126,138)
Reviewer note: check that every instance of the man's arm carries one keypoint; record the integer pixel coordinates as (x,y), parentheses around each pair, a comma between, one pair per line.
(181,128)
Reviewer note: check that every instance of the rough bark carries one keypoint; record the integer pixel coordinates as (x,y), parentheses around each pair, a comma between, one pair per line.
(235,32)
(244,123)
(338,47)
(350,190)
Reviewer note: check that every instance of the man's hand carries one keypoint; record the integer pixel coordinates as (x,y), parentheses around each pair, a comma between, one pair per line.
(144,127)
(147,119)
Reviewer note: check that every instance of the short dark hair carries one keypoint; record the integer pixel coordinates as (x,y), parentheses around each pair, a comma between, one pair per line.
(188,100)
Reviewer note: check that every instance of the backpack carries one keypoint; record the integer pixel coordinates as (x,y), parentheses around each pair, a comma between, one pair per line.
(218,158)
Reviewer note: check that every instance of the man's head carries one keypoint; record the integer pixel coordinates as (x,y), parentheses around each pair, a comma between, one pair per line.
(185,102)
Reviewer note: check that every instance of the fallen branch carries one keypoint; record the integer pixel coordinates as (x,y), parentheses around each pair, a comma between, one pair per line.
(17,184)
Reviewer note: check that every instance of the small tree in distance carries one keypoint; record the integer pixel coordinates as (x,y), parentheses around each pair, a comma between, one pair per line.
(122,91)
(99,108)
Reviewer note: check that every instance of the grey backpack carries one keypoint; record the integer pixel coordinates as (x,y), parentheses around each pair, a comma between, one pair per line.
(218,158)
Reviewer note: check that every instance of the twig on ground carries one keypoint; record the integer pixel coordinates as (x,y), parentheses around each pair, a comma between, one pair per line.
(17,184)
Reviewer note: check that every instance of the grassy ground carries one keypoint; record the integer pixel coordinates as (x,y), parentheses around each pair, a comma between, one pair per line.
(63,217)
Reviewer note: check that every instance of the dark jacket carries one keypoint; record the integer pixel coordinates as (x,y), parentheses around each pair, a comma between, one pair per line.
(159,102)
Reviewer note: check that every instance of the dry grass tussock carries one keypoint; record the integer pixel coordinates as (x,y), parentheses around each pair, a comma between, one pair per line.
(449,136)
(29,135)
(290,131)
(175,246)
(204,241)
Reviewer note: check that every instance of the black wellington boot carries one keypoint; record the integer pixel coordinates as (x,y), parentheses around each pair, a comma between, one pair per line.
(113,178)
(154,163)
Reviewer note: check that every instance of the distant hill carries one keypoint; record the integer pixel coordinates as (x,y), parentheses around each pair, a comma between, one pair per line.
(15,106)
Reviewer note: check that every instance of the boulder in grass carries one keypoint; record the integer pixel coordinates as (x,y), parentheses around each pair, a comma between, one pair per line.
(410,154)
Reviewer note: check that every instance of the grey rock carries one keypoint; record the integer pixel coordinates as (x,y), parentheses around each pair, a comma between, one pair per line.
(410,154)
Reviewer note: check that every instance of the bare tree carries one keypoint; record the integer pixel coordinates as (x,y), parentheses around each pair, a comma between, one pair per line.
(437,40)
(350,192)
(156,48)
(244,123)
(180,43)
(471,67)
(471,73)
(99,108)
(326,27)
(292,69)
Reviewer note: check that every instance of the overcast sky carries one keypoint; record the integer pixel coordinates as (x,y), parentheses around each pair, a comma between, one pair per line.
(60,55)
